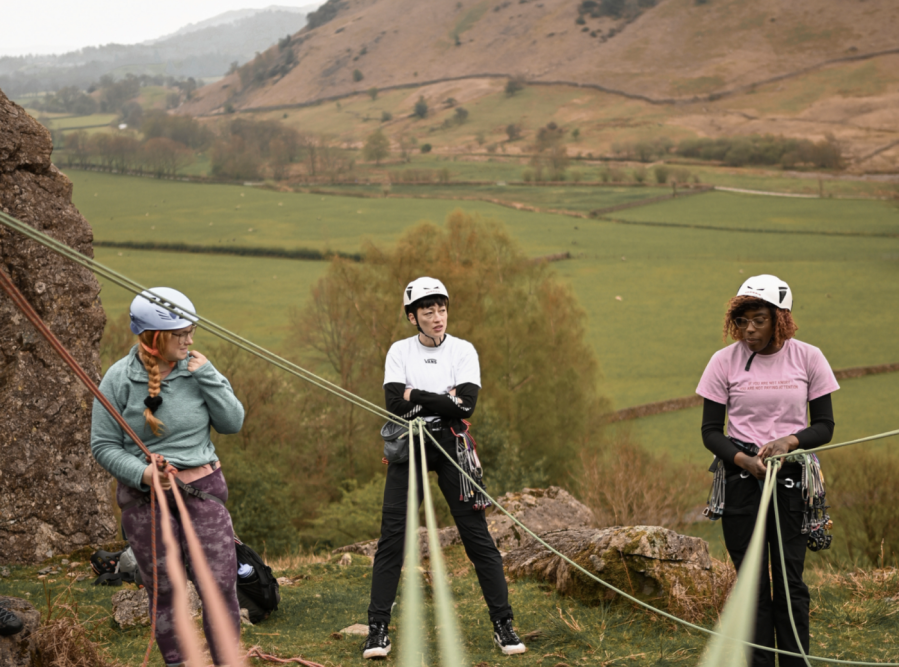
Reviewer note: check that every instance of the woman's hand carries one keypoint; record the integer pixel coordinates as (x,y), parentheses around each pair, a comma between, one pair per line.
(164,479)
(751,464)
(147,478)
(780,446)
(196,360)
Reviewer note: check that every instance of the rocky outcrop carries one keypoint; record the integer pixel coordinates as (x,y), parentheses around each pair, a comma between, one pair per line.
(130,606)
(541,510)
(17,650)
(53,495)
(648,562)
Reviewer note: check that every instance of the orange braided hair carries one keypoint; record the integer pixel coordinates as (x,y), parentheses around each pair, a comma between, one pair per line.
(149,355)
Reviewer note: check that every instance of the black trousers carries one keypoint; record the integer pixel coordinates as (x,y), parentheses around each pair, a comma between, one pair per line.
(472,525)
(772,621)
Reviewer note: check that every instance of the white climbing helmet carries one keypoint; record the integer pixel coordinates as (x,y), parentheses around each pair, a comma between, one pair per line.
(768,288)
(148,315)
(422,287)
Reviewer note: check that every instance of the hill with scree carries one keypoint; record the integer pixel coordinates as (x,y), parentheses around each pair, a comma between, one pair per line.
(712,67)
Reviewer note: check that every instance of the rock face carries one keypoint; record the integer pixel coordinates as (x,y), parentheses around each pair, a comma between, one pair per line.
(130,606)
(16,650)
(53,495)
(648,562)
(541,510)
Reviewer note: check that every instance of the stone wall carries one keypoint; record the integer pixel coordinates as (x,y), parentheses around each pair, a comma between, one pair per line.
(53,495)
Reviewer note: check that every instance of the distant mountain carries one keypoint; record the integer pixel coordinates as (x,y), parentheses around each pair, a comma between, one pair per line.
(231,17)
(664,50)
(201,50)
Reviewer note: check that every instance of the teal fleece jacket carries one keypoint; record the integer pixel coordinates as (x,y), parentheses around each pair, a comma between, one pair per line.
(191,403)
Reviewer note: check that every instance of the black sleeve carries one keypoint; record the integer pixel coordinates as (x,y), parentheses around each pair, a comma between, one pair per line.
(396,404)
(713,431)
(820,430)
(443,405)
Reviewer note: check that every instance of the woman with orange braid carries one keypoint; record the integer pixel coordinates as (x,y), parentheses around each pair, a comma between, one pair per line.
(171,396)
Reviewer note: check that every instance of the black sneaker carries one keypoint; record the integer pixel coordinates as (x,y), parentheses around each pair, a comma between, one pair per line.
(10,624)
(505,637)
(378,643)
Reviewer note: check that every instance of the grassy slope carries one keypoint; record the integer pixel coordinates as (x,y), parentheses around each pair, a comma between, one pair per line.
(329,598)
(665,273)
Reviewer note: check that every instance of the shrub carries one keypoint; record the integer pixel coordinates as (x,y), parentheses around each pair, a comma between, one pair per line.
(864,502)
(386,116)
(373,93)
(576,133)
(639,174)
(625,485)
(357,75)
(513,131)
(527,175)
(514,85)
(461,115)
(425,148)
(421,108)
(661,174)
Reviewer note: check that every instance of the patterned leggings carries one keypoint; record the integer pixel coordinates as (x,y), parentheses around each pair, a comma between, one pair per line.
(212,524)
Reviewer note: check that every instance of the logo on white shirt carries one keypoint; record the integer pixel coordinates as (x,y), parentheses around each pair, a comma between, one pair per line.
(430,360)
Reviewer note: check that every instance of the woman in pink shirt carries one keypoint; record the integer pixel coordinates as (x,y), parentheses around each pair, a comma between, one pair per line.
(775,392)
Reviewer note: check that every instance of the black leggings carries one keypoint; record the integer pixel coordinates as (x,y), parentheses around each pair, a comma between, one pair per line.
(471,523)
(772,621)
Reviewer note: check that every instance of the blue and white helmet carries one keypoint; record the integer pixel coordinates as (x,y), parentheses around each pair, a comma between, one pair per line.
(768,288)
(147,314)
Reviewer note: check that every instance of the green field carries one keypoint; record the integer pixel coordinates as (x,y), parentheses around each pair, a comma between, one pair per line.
(673,281)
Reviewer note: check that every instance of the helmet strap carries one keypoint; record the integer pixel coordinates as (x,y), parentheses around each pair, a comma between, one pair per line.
(153,350)
(436,342)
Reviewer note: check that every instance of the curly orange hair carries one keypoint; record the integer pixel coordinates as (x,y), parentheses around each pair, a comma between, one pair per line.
(784,326)
(154,340)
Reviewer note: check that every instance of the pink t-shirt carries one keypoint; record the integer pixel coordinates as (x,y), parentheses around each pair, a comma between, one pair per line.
(770,400)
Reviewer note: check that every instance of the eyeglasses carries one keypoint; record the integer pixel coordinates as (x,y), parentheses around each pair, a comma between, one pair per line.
(757,322)
(182,336)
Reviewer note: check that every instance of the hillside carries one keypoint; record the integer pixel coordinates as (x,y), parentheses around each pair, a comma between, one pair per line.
(702,62)
(199,50)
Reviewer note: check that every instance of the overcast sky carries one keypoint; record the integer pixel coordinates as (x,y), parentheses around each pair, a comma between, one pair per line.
(57,26)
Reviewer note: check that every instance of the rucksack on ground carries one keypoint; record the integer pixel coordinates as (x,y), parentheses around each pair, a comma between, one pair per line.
(257,589)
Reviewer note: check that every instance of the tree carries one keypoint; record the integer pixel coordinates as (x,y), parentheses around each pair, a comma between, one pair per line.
(421,108)
(357,75)
(514,85)
(461,115)
(377,147)
(373,93)
(513,131)
(550,154)
(539,374)
(164,156)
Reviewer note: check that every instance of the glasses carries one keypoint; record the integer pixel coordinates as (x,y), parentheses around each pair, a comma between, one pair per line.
(757,322)
(182,336)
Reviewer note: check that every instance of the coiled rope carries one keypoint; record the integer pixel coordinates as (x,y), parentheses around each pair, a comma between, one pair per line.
(304,374)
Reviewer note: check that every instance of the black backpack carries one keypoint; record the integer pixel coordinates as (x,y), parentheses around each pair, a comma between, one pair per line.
(259,592)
